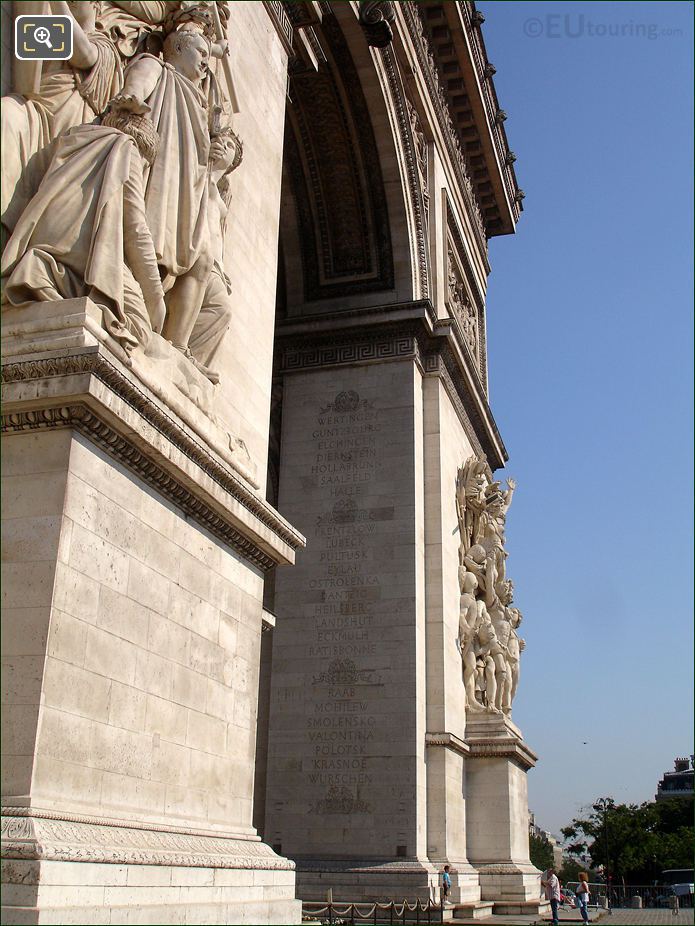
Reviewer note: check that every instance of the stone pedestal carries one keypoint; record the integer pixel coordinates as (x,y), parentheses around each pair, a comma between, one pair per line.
(497,829)
(135,549)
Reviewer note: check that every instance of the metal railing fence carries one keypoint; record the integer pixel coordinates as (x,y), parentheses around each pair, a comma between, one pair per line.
(377,914)
(621,895)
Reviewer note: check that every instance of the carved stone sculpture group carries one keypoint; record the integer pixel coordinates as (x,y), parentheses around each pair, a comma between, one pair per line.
(115,174)
(488,640)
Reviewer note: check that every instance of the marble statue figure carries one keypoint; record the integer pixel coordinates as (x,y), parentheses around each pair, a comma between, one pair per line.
(135,163)
(490,646)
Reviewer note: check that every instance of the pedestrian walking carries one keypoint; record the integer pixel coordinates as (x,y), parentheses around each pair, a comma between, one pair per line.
(583,896)
(446,884)
(552,893)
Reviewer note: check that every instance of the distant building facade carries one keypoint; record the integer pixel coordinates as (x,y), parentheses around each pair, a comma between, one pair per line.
(679,782)
(535,830)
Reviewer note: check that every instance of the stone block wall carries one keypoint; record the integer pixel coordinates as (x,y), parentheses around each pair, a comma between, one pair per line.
(150,676)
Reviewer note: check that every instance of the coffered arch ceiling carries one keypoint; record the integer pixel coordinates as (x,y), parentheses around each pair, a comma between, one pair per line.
(344,221)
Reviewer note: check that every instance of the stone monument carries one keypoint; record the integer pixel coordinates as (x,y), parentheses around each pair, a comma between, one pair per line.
(245,257)
(387,748)
(136,530)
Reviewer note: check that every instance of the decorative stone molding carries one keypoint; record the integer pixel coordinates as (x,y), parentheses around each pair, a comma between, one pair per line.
(516,750)
(397,346)
(438,95)
(509,868)
(28,834)
(373,337)
(281,21)
(472,22)
(448,24)
(448,741)
(93,416)
(414,146)
(375,19)
(346,865)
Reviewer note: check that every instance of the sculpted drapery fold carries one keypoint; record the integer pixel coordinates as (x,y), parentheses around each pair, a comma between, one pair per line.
(130,143)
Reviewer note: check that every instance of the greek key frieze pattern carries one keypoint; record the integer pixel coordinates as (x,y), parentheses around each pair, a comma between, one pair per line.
(315,353)
(362,351)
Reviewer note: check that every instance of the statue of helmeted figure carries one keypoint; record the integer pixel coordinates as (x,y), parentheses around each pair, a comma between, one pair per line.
(490,647)
(162,210)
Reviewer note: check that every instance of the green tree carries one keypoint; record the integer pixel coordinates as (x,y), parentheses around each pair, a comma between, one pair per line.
(635,842)
(541,852)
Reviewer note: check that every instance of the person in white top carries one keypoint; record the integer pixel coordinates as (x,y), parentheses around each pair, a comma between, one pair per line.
(552,893)
(583,895)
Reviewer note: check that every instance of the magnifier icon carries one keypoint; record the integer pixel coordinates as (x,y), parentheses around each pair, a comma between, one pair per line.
(44,36)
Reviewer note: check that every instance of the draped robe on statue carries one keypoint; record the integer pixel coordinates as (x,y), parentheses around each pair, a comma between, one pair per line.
(87,216)
(66,97)
(176,184)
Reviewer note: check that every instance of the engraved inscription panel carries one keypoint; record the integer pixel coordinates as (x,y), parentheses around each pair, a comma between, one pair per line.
(343,680)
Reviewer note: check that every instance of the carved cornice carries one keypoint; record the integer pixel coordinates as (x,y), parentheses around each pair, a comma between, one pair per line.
(515,749)
(88,418)
(473,19)
(448,741)
(98,366)
(450,134)
(28,834)
(103,435)
(454,30)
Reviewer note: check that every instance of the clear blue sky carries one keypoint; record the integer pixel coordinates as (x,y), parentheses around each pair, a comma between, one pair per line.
(590,350)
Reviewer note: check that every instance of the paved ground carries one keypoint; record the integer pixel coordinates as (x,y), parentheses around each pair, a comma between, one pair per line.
(616,918)
(647,917)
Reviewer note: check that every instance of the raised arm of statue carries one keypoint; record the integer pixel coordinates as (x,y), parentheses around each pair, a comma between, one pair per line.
(508,494)
(140,80)
(84,54)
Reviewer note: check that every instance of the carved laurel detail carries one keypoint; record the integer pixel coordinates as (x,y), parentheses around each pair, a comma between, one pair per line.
(98,366)
(74,841)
